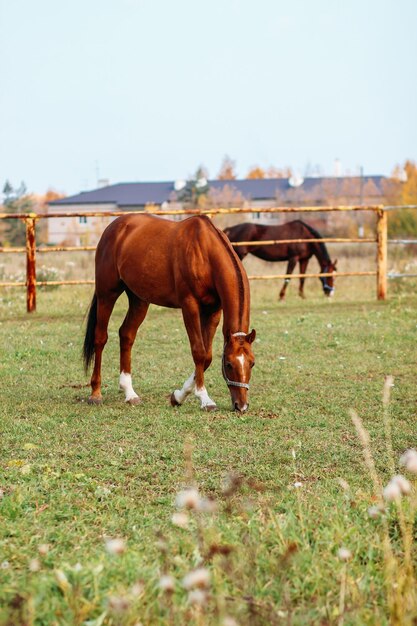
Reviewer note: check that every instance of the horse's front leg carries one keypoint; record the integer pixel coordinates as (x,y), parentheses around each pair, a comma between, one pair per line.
(192,320)
(290,268)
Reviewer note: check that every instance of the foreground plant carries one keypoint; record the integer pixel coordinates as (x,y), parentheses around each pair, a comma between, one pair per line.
(391,509)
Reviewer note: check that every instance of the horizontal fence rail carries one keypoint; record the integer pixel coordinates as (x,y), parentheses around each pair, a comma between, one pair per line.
(380,239)
(228,211)
(271,242)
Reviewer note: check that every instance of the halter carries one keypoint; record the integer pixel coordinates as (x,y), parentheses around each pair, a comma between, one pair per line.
(233,383)
(323,279)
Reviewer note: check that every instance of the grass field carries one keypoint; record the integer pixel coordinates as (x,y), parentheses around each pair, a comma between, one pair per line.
(281,489)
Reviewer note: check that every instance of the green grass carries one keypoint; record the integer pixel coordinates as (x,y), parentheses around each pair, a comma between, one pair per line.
(73,474)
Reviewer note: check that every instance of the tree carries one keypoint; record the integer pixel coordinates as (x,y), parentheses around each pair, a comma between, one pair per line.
(402,190)
(274,172)
(16,200)
(227,169)
(194,194)
(256,172)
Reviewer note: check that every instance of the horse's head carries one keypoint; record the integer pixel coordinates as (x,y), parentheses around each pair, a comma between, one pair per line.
(328,281)
(237,363)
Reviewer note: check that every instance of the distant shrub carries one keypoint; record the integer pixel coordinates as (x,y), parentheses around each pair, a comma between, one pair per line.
(45,273)
(402,222)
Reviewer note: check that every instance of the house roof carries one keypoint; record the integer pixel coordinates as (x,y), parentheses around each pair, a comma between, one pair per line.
(142,193)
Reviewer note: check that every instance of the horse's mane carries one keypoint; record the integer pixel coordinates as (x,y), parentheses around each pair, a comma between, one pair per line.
(235,260)
(317,235)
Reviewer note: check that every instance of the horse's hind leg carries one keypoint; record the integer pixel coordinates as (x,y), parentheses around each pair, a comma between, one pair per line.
(290,268)
(127,333)
(303,269)
(105,307)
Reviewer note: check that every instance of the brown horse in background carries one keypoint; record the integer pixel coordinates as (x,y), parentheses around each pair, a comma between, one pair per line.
(188,265)
(292,252)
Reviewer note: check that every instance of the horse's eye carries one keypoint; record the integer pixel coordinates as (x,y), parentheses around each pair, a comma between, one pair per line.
(252,364)
(228,365)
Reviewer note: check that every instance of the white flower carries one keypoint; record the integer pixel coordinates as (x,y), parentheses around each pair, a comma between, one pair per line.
(297,485)
(43,549)
(137,589)
(230,621)
(207,505)
(200,578)
(115,546)
(197,596)
(344,554)
(180,519)
(403,484)
(397,486)
(119,604)
(344,484)
(34,565)
(374,512)
(409,460)
(188,499)
(167,583)
(392,491)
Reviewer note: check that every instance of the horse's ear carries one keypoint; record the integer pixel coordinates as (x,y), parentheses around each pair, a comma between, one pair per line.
(251,336)
(335,263)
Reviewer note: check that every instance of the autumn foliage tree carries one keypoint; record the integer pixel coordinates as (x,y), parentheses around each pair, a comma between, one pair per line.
(256,172)
(16,200)
(403,191)
(227,169)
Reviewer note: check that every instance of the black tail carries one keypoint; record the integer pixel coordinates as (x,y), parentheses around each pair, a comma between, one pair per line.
(88,348)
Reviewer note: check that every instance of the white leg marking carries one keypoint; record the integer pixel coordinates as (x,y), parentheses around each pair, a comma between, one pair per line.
(125,383)
(181,394)
(204,398)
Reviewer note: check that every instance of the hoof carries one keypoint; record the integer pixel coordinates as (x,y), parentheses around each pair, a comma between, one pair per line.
(134,401)
(210,407)
(95,400)
(173,400)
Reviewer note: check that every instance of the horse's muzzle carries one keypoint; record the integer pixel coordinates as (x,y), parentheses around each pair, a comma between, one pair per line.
(241,408)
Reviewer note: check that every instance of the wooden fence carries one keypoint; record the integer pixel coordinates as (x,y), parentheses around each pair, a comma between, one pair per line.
(31,249)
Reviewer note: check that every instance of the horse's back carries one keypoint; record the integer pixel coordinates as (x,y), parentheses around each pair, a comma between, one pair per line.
(158,259)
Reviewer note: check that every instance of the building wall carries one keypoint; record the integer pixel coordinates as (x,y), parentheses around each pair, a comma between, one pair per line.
(77,231)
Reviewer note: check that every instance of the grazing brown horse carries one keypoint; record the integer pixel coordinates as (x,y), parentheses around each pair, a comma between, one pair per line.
(188,265)
(292,252)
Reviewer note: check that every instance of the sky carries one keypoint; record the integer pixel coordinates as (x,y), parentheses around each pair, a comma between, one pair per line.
(148,90)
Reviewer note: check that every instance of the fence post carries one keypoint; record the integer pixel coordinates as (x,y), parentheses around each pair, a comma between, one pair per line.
(381,258)
(30,222)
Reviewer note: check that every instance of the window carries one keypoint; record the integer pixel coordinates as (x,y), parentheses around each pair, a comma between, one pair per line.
(82,219)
